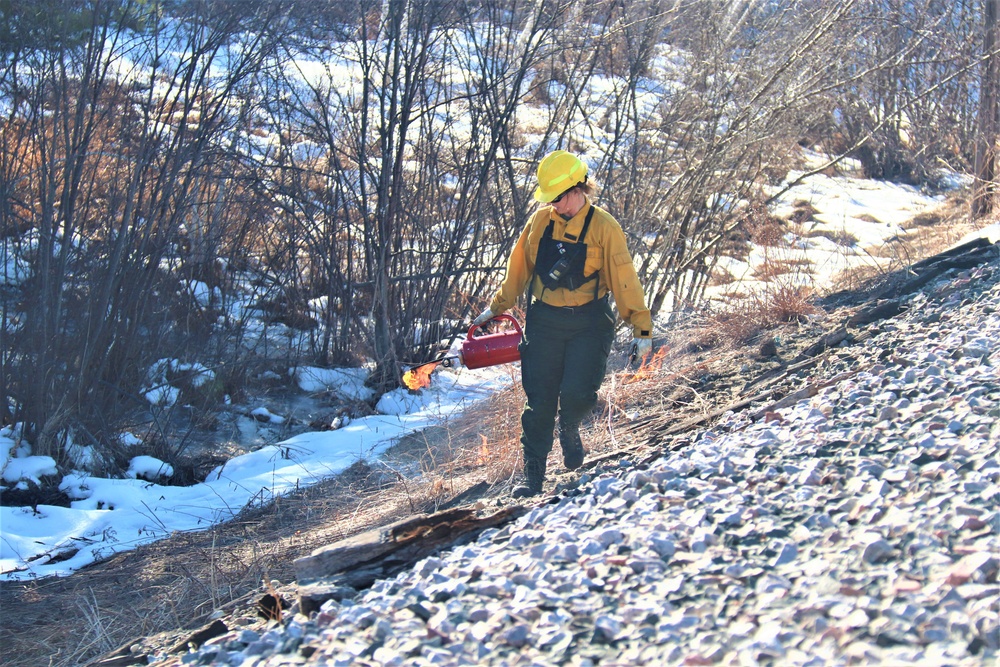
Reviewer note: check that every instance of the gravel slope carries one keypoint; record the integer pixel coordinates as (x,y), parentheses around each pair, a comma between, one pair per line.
(857,526)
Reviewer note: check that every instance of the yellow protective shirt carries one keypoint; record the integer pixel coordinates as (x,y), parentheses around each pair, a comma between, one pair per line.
(607,252)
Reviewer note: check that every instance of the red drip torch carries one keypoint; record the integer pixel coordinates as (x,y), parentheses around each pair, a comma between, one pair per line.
(492,349)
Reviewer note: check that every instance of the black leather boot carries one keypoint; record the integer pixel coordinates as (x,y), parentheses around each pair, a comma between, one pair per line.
(534,477)
(572,446)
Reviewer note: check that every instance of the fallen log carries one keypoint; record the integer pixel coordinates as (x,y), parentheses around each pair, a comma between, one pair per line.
(214,629)
(357,562)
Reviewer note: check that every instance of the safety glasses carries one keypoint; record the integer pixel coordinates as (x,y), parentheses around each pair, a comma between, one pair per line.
(560,197)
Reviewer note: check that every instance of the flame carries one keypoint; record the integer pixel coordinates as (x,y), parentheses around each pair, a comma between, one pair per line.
(483,456)
(420,376)
(650,366)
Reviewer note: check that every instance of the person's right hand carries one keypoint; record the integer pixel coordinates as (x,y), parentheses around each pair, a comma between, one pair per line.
(483,318)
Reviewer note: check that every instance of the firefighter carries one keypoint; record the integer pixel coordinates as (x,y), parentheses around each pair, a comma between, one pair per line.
(570,256)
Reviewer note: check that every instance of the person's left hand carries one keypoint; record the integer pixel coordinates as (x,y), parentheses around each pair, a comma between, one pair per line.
(640,348)
(485,317)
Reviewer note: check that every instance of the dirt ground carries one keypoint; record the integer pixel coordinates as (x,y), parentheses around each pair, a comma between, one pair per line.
(155,596)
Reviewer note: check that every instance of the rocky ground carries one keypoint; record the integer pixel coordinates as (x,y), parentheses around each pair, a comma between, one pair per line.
(841,507)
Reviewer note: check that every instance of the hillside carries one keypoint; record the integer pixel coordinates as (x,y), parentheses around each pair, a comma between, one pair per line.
(182,583)
(851,521)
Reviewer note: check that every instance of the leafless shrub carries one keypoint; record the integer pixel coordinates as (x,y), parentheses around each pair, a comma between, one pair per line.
(923,85)
(767,231)
(743,316)
(114,173)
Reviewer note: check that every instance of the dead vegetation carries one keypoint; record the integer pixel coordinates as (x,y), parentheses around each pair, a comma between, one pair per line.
(742,319)
(927,233)
(840,237)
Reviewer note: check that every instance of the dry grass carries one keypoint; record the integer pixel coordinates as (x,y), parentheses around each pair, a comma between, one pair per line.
(767,231)
(180,582)
(183,581)
(840,237)
(773,268)
(164,586)
(928,233)
(803,211)
(741,318)
(498,450)
(747,310)
(721,276)
(483,441)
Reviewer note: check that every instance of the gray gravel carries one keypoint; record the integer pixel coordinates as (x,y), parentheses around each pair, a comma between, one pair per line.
(857,527)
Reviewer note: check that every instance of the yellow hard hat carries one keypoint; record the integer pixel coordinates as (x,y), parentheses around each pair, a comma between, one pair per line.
(558,172)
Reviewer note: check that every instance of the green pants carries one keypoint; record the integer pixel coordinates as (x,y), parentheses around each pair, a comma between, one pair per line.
(564,355)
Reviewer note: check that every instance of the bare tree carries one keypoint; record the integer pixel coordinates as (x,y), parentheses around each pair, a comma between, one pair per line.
(110,166)
(984,191)
(744,76)
(413,201)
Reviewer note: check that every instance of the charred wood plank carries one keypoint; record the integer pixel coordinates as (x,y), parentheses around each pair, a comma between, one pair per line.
(359,560)
(826,342)
(882,310)
(975,252)
(808,357)
(969,249)
(968,255)
(200,636)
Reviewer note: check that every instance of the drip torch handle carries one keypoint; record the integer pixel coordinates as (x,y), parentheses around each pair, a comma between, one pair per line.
(503,316)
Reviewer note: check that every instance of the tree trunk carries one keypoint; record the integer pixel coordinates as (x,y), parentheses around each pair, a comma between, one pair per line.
(984,189)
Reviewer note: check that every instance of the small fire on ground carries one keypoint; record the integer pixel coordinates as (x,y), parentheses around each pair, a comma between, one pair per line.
(420,376)
(650,366)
